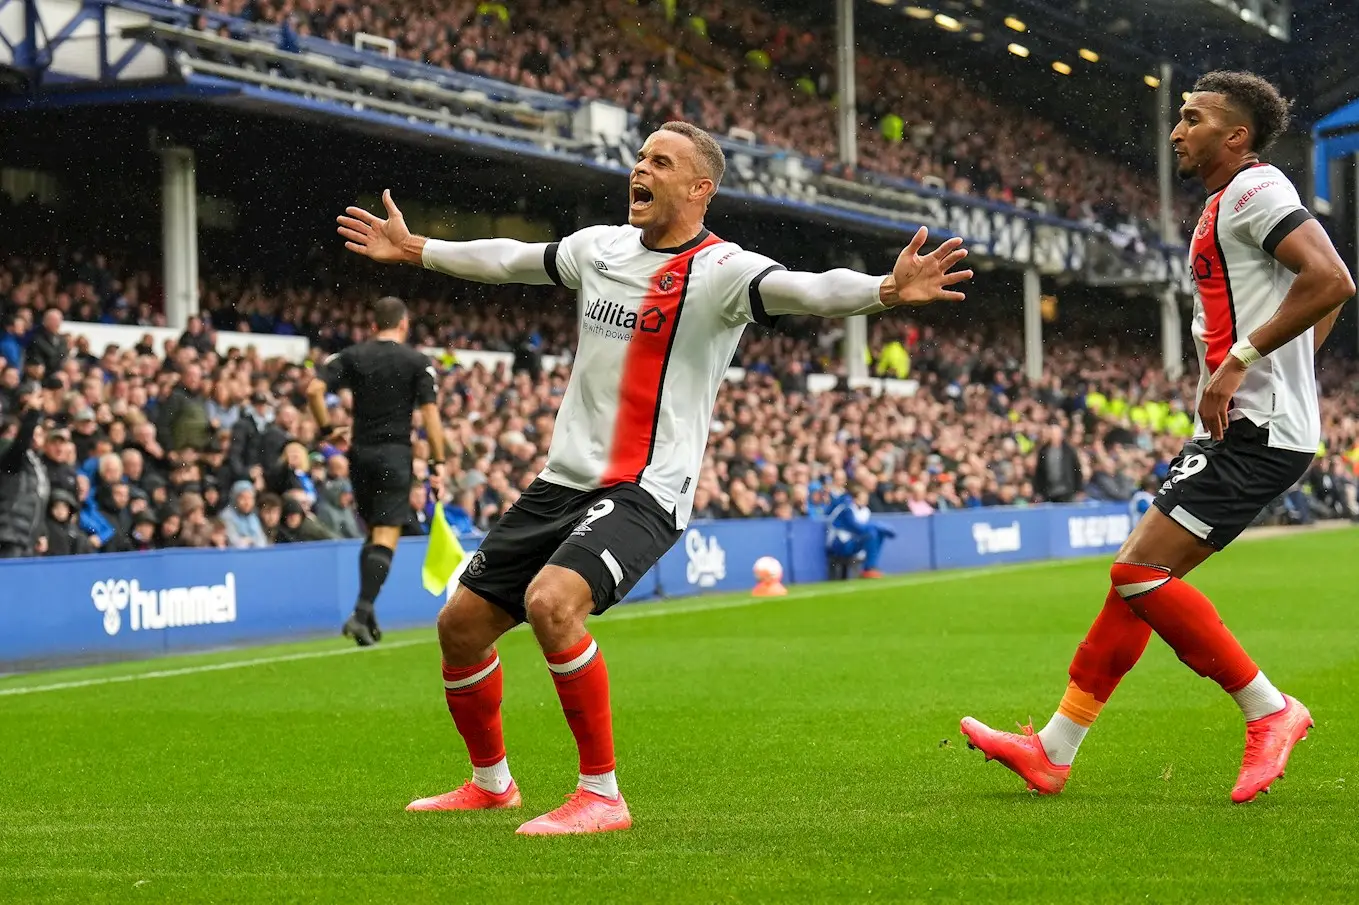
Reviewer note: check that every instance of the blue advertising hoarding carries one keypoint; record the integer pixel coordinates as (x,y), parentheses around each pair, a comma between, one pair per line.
(138,604)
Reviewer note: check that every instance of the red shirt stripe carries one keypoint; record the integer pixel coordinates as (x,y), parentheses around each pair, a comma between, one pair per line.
(643,377)
(1210,274)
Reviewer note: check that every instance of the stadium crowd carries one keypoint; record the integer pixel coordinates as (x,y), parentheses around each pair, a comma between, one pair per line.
(737,66)
(127,449)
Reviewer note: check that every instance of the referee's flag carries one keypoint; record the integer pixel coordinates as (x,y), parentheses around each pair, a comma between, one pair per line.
(443,555)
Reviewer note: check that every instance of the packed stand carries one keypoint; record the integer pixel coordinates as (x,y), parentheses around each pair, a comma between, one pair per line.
(736,66)
(127,450)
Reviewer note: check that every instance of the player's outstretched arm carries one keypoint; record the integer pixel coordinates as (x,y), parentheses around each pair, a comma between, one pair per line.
(390,241)
(916,279)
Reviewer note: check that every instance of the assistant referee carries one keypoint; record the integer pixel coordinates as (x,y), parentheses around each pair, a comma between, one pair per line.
(389,381)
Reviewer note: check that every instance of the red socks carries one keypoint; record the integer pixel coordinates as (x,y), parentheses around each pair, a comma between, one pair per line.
(1187,621)
(583,686)
(1113,646)
(474,694)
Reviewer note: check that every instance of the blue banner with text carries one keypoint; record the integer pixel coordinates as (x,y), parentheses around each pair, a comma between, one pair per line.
(127,605)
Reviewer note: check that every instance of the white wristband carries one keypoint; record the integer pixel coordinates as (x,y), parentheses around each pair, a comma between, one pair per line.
(1244,352)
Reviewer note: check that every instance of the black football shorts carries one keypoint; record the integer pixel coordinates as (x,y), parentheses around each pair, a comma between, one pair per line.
(610,537)
(1216,488)
(381,476)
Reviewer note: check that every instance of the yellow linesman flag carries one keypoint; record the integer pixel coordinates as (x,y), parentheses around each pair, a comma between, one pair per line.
(442,556)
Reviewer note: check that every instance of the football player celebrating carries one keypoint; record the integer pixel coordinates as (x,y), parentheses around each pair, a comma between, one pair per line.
(664,304)
(1268,287)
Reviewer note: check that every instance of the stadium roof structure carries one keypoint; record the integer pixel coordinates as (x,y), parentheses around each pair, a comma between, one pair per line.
(1301,44)
(1110,45)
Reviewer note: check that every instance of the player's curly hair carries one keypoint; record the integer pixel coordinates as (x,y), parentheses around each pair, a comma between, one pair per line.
(1254,96)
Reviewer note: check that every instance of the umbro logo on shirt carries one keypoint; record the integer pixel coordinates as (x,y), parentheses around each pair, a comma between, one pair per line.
(601,267)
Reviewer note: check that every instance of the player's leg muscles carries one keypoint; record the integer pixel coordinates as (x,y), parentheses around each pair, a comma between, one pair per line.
(1148,575)
(1115,642)
(1119,635)
(468,627)
(557,602)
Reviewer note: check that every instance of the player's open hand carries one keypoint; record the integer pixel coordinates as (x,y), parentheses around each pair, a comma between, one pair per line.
(373,237)
(1217,396)
(920,279)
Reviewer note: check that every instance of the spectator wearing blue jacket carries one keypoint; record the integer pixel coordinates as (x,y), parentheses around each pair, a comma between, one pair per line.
(12,342)
(243,528)
(851,533)
(462,515)
(94,523)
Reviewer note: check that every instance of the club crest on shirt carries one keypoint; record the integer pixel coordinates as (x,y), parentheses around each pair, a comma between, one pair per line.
(666,282)
(1205,224)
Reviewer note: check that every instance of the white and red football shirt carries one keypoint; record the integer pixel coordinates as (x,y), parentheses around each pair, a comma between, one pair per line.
(1238,286)
(658,330)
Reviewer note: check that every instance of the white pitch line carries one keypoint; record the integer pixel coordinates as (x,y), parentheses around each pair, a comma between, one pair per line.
(206,667)
(628,612)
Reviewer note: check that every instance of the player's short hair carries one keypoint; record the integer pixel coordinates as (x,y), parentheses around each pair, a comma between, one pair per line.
(1266,108)
(388,312)
(710,156)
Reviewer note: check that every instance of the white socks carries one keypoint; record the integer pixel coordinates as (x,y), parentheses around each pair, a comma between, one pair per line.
(1259,699)
(605,784)
(1061,739)
(495,778)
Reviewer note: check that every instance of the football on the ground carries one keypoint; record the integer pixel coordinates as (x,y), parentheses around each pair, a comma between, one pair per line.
(767,568)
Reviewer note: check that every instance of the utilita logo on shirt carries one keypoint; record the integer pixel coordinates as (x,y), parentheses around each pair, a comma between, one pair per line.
(991,539)
(613,321)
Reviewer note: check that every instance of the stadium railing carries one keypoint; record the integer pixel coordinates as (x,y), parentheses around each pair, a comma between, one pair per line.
(91,608)
(101,336)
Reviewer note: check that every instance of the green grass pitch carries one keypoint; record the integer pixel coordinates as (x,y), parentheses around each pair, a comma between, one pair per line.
(797,750)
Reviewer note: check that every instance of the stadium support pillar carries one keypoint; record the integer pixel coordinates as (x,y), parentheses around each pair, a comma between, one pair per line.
(846,116)
(1172,354)
(179,234)
(856,345)
(1033,324)
(856,333)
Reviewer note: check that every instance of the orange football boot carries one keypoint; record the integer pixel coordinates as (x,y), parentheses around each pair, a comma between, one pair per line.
(469,797)
(584,812)
(870,573)
(1269,741)
(1023,754)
